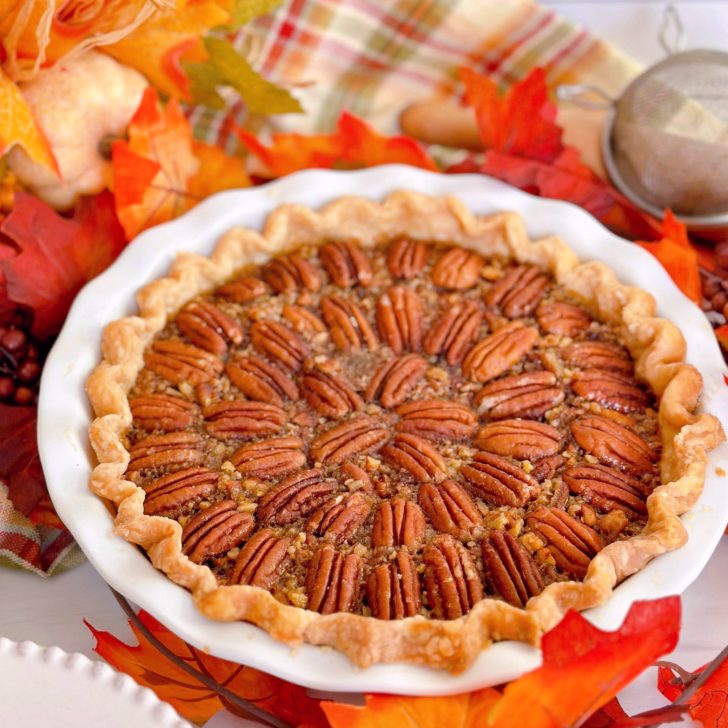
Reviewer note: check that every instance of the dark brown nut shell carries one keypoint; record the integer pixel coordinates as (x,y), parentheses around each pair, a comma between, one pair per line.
(280,343)
(510,568)
(395,379)
(457,269)
(261,561)
(171,451)
(295,497)
(436,419)
(417,456)
(291,273)
(454,332)
(215,531)
(518,292)
(562,319)
(161,412)
(398,522)
(270,458)
(614,391)
(519,439)
(348,326)
(339,519)
(243,290)
(261,381)
(206,326)
(608,489)
(598,355)
(527,395)
(178,362)
(407,258)
(449,508)
(358,435)
(333,581)
(346,264)
(243,420)
(393,589)
(400,320)
(498,480)
(329,395)
(498,352)
(170,494)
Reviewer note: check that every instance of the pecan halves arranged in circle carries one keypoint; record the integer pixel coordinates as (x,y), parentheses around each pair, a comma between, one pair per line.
(527,395)
(206,326)
(454,332)
(518,292)
(608,489)
(452,582)
(614,391)
(333,581)
(329,395)
(171,450)
(279,343)
(339,519)
(346,264)
(393,589)
(407,258)
(499,352)
(171,493)
(449,508)
(417,456)
(436,419)
(215,531)
(598,355)
(571,543)
(394,380)
(510,568)
(519,439)
(243,420)
(348,326)
(178,362)
(613,444)
(161,412)
(261,561)
(360,434)
(269,458)
(399,319)
(291,273)
(398,522)
(297,496)
(458,269)
(562,319)
(497,480)
(243,290)
(302,320)
(261,381)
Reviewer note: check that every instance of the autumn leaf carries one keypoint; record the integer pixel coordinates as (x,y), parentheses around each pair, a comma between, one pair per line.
(218,171)
(244,11)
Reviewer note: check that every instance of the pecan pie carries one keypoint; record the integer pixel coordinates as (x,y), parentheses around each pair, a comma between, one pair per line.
(397,429)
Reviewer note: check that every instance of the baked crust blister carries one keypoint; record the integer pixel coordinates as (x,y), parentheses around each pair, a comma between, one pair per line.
(655,344)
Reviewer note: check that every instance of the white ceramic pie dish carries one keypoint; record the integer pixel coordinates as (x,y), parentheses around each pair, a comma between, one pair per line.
(64,417)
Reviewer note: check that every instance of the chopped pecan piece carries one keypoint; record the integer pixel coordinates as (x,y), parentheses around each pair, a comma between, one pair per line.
(510,568)
(398,522)
(519,439)
(346,264)
(297,496)
(572,544)
(499,352)
(261,561)
(613,444)
(206,326)
(279,343)
(394,380)
(347,324)
(527,395)
(161,412)
(333,580)
(393,589)
(497,480)
(242,420)
(170,493)
(449,508)
(546,467)
(171,450)
(269,458)
(417,456)
(261,381)
(614,391)
(360,434)
(399,319)
(339,519)
(329,395)
(518,292)
(452,582)
(436,419)
(178,362)
(302,320)
(454,332)
(407,258)
(215,531)
(354,474)
(598,355)
(243,290)
(457,269)
(291,273)
(608,489)
(562,319)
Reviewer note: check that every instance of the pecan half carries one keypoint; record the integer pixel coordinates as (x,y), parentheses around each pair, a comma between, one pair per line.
(598,355)
(178,362)
(398,522)
(546,467)
(354,474)
(527,395)
(607,489)
(500,351)
(457,269)
(161,412)
(613,444)
(170,450)
(291,273)
(170,493)
(302,320)
(346,264)
(518,292)
(395,379)
(339,519)
(614,391)
(454,332)
(215,531)
(436,419)
(243,290)
(407,258)
(329,395)
(417,456)
(510,568)
(452,582)
(393,589)
(279,343)
(571,543)
(360,434)
(449,508)
(399,319)
(261,381)
(333,580)
(519,439)
(269,458)
(242,420)
(297,496)
(562,319)
(497,480)
(206,326)
(261,561)
(348,327)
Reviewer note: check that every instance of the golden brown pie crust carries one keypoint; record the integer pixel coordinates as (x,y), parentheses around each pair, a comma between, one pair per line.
(656,345)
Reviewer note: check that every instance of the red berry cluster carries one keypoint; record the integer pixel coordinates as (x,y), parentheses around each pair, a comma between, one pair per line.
(20,366)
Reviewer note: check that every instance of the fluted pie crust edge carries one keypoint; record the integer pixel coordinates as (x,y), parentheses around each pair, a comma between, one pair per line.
(657,346)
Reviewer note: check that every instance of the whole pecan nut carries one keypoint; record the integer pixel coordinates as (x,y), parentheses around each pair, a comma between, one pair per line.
(398,522)
(269,458)
(262,560)
(161,412)
(279,343)
(329,395)
(170,494)
(519,439)
(608,489)
(562,319)
(348,327)
(454,332)
(206,326)
(598,355)
(518,292)
(458,269)
(178,362)
(346,264)
(449,508)
(417,456)
(215,531)
(497,480)
(295,497)
(527,395)
(407,258)
(340,518)
(394,380)
(358,435)
(393,589)
(499,352)
(510,568)
(399,319)
(261,381)
(436,419)
(291,273)
(614,391)
(302,320)
(333,580)
(242,420)
(171,450)
(243,290)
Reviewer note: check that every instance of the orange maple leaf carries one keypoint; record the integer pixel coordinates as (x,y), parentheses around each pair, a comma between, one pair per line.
(217,172)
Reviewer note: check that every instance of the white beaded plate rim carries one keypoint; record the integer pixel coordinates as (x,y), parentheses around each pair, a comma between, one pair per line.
(74,687)
(64,417)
